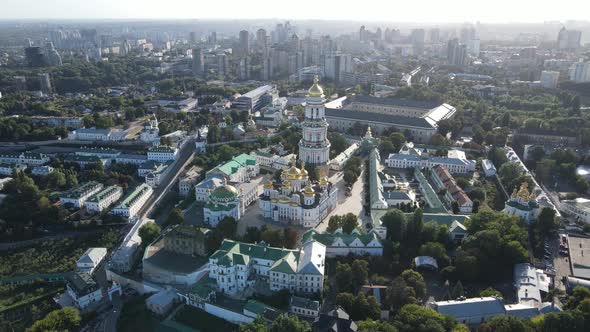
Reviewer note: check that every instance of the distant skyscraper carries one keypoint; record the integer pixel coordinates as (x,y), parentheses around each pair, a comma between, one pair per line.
(192,37)
(261,41)
(244,43)
(45,83)
(417,37)
(222,64)
(456,53)
(580,72)
(198,63)
(267,68)
(362,33)
(549,79)
(569,39)
(434,36)
(244,69)
(212,39)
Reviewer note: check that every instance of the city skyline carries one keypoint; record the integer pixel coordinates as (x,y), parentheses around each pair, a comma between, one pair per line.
(421,11)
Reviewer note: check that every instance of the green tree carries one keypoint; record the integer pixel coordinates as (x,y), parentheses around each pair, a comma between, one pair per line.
(370,325)
(289,323)
(359,307)
(395,222)
(349,177)
(227,227)
(258,325)
(66,319)
(349,223)
(334,224)
(505,324)
(416,318)
(437,251)
(360,273)
(343,277)
(490,292)
(175,217)
(407,288)
(149,232)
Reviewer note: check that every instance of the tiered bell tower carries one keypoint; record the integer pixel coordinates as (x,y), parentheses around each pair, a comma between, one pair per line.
(314,147)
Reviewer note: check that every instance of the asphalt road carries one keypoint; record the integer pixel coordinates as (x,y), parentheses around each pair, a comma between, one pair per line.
(185,156)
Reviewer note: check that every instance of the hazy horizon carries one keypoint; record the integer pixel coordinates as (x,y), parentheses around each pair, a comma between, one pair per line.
(418,11)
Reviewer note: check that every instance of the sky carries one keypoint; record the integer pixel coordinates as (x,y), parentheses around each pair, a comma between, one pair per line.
(423,11)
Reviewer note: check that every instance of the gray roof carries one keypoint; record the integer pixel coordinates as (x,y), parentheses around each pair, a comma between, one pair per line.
(302,302)
(479,306)
(82,283)
(379,117)
(396,195)
(93,255)
(257,92)
(396,102)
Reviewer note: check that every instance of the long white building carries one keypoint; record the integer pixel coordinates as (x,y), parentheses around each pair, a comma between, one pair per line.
(340,244)
(236,266)
(80,194)
(93,134)
(133,202)
(455,161)
(103,199)
(162,153)
(28,158)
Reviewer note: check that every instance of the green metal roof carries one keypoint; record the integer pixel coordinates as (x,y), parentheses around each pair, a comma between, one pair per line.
(228,248)
(328,239)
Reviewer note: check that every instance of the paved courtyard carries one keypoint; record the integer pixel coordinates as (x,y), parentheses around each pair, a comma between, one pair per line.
(351,204)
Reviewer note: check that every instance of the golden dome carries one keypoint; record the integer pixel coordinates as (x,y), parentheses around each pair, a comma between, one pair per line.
(315,90)
(293,171)
(303,170)
(308,190)
(286,184)
(268,184)
(324,180)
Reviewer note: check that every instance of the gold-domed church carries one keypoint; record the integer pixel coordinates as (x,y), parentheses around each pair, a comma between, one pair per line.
(296,200)
(523,204)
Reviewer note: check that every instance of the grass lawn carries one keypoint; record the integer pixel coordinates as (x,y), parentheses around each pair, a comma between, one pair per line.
(202,321)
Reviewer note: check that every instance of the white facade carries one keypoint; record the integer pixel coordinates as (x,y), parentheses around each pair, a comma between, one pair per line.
(103,199)
(340,244)
(155,177)
(295,200)
(580,72)
(7,169)
(314,147)
(42,170)
(549,79)
(90,260)
(522,204)
(454,165)
(162,153)
(129,207)
(489,169)
(93,134)
(234,264)
(79,195)
(83,290)
(28,158)
(188,181)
